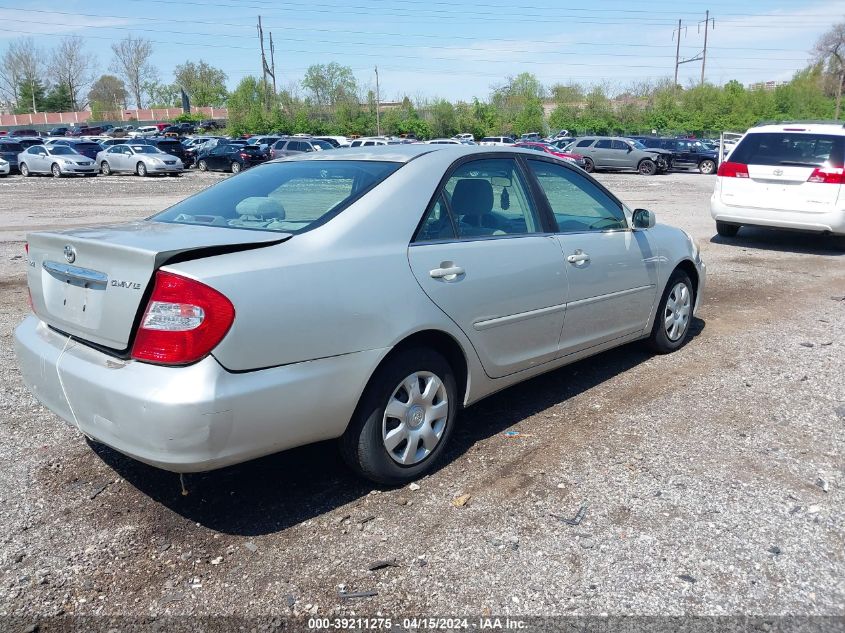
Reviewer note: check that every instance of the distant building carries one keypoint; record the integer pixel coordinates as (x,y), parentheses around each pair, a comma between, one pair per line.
(767,85)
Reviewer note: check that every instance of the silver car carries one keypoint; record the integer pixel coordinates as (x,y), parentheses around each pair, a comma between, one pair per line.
(365,295)
(5,168)
(140,159)
(59,160)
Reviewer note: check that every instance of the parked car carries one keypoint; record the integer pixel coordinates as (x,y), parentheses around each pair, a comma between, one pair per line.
(58,131)
(337,141)
(29,142)
(5,167)
(496,141)
(686,153)
(465,136)
(118,132)
(292,146)
(23,132)
(343,295)
(368,142)
(59,160)
(233,158)
(783,176)
(138,158)
(615,153)
(547,148)
(444,141)
(161,126)
(114,141)
(9,150)
(4,132)
(143,131)
(186,127)
(86,148)
(210,124)
(531,137)
(85,131)
(171,146)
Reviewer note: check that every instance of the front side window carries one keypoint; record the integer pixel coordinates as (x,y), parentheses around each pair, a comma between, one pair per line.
(489,197)
(577,203)
(289,197)
(584,143)
(622,145)
(603,144)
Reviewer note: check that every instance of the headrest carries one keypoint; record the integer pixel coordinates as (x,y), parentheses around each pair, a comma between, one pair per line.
(472,196)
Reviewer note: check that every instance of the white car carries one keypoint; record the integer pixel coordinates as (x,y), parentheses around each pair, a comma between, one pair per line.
(5,169)
(787,176)
(144,131)
(466,136)
(444,141)
(368,142)
(496,141)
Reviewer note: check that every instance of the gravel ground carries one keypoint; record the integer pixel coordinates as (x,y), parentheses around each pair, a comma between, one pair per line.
(711,480)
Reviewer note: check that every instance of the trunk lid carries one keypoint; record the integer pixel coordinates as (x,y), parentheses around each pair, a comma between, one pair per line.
(782,188)
(90,282)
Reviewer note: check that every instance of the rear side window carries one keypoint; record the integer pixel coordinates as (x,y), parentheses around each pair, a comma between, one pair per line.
(584,143)
(620,145)
(603,144)
(289,197)
(790,148)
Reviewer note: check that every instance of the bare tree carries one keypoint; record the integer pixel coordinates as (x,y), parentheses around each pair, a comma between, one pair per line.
(21,66)
(830,50)
(132,61)
(71,66)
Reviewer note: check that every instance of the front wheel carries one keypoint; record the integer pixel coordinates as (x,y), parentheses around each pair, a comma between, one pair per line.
(203,166)
(674,314)
(236,167)
(24,170)
(647,167)
(707,167)
(141,169)
(727,230)
(105,168)
(404,419)
(589,165)
(56,170)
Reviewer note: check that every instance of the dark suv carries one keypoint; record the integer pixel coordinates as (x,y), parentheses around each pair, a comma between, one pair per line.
(9,150)
(686,153)
(171,146)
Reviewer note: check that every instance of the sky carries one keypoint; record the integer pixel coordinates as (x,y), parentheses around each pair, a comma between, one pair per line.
(443,48)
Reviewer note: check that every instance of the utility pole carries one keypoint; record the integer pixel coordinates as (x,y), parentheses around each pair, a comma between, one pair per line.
(378,104)
(265,69)
(677,53)
(273,64)
(708,21)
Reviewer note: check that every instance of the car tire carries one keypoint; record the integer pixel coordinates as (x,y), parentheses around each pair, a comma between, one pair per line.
(141,169)
(105,168)
(727,230)
(674,314)
(707,167)
(364,445)
(24,170)
(202,165)
(589,165)
(56,170)
(647,167)
(236,167)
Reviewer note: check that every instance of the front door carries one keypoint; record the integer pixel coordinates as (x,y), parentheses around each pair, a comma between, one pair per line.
(484,257)
(612,270)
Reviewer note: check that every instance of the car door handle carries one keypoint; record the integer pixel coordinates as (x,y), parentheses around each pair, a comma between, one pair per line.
(578,257)
(447,272)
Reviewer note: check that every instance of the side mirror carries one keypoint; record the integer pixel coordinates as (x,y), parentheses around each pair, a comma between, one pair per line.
(643,219)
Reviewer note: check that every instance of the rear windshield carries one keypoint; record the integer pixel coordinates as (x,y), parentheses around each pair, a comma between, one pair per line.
(789,148)
(61,150)
(171,144)
(82,146)
(289,197)
(11,147)
(146,149)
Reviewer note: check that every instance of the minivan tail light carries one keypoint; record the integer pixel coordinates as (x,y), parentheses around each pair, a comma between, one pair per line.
(828,175)
(184,320)
(733,170)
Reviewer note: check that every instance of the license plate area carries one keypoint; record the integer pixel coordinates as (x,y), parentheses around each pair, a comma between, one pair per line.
(74,295)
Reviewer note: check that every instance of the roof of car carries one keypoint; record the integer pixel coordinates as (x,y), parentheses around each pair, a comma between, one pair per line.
(823,127)
(403,153)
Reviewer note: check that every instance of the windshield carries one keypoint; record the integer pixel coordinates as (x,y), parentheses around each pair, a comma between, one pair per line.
(61,150)
(288,197)
(638,145)
(146,149)
(322,144)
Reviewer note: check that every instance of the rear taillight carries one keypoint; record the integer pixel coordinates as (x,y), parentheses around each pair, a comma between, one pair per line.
(244,155)
(733,170)
(183,322)
(828,175)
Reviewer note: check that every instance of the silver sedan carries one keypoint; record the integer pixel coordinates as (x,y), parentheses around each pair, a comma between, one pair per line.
(58,160)
(5,168)
(143,160)
(366,295)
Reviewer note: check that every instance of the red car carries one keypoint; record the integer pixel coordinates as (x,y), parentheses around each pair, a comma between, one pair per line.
(551,149)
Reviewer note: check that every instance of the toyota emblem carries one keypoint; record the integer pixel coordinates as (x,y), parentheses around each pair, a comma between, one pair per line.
(70,254)
(778,172)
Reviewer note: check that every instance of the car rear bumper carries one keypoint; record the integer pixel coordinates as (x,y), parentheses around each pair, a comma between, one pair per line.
(830,222)
(194,418)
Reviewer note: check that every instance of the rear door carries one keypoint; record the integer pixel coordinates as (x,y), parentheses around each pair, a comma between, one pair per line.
(787,171)
(612,270)
(601,154)
(484,256)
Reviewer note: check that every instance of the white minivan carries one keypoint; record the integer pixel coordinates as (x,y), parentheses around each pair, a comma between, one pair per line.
(787,176)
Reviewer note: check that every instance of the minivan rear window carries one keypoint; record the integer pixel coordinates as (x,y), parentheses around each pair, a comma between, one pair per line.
(790,148)
(289,197)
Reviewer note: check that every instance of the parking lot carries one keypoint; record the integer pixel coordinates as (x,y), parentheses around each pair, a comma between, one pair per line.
(708,481)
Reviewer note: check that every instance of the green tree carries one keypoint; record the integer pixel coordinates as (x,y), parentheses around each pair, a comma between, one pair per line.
(109,93)
(59,99)
(204,84)
(160,95)
(444,119)
(329,84)
(31,95)
(246,108)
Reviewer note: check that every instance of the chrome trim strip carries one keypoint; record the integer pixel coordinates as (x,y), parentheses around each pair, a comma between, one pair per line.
(74,273)
(612,295)
(515,318)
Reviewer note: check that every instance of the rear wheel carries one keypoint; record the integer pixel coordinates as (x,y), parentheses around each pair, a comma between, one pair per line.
(56,170)
(647,167)
(141,169)
(105,168)
(707,166)
(674,314)
(203,166)
(24,170)
(589,165)
(236,167)
(404,419)
(727,230)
